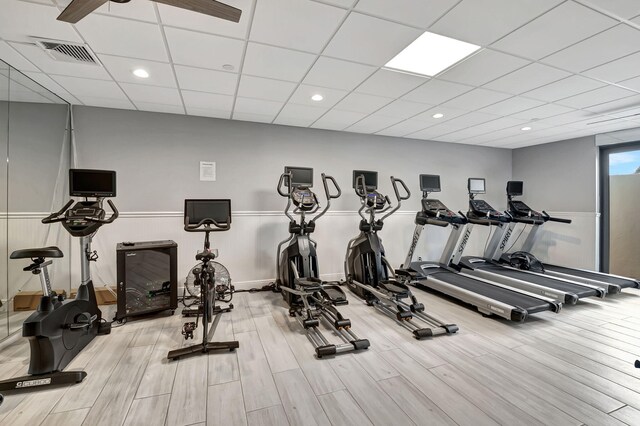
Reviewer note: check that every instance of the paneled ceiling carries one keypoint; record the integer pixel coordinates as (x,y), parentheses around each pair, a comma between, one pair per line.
(563,68)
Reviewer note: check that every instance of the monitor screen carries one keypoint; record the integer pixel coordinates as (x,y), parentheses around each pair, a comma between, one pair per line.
(476,186)
(430,183)
(300,176)
(514,187)
(199,210)
(370,178)
(92,183)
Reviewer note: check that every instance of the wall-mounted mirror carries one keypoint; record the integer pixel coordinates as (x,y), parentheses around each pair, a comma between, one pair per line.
(4,152)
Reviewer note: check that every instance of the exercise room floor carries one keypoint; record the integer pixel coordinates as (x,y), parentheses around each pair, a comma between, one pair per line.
(571,368)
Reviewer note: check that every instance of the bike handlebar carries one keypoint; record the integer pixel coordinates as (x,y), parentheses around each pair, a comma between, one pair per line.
(205,226)
(59,216)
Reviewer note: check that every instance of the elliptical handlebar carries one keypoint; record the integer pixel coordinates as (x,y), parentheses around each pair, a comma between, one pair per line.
(399,198)
(281,182)
(328,194)
(361,188)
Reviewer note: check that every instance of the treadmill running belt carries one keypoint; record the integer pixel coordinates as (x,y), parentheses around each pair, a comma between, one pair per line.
(504,295)
(609,279)
(577,289)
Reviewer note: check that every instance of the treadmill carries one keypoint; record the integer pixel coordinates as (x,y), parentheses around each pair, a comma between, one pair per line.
(489,298)
(481,213)
(519,210)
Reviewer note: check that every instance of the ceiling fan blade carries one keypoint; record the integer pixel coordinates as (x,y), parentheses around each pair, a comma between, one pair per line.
(78,9)
(208,7)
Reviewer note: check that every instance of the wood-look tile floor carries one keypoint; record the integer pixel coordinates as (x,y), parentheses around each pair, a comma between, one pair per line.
(571,368)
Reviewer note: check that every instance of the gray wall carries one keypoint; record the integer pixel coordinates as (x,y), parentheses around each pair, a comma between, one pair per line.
(559,176)
(157,158)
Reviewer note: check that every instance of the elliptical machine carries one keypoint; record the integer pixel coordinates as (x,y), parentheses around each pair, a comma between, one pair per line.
(309,298)
(206,216)
(368,273)
(59,329)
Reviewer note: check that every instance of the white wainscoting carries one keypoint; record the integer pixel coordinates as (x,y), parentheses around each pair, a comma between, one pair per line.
(248,249)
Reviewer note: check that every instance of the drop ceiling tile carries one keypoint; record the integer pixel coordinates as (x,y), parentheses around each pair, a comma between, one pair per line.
(405,127)
(207,101)
(483,67)
(564,88)
(555,30)
(402,109)
(483,21)
(527,78)
(202,80)
(567,118)
(257,106)
(511,106)
(264,88)
(359,102)
(542,112)
(432,132)
(618,70)
(151,107)
(15,59)
(299,115)
(484,128)
(50,66)
(337,74)
(152,94)
(345,4)
(188,48)
(602,48)
(19,21)
(295,24)
(304,92)
(160,74)
(435,92)
(84,87)
(122,103)
(616,106)
(449,114)
(256,118)
(468,120)
(336,119)
(632,83)
(53,86)
(391,84)
(370,40)
(277,63)
(207,104)
(182,18)
(372,124)
(141,10)
(123,37)
(476,99)
(625,9)
(409,12)
(596,97)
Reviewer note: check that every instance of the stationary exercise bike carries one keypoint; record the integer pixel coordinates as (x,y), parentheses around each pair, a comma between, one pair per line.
(206,216)
(309,298)
(368,273)
(59,329)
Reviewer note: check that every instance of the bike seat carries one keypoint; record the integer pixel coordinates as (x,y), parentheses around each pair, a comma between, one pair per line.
(33,253)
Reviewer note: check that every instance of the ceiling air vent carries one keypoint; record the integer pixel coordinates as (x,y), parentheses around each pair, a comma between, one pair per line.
(64,51)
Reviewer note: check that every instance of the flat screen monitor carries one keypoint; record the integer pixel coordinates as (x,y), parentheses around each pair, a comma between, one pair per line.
(199,210)
(476,186)
(430,183)
(370,178)
(92,183)
(300,176)
(514,188)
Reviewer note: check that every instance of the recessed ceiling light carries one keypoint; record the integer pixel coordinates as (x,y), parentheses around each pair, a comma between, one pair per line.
(142,73)
(228,67)
(438,115)
(526,128)
(431,53)
(317,97)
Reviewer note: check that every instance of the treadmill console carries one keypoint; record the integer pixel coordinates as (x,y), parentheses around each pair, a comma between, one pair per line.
(480,209)
(519,209)
(437,210)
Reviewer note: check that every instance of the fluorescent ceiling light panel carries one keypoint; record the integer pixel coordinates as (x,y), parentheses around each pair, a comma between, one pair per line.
(430,54)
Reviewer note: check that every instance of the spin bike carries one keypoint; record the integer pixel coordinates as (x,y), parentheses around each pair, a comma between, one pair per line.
(309,298)
(368,273)
(206,216)
(59,329)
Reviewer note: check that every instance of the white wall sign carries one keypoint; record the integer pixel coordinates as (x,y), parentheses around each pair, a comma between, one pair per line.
(207,171)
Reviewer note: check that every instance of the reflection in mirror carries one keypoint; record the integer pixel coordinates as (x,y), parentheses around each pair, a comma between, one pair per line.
(38,146)
(4,120)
